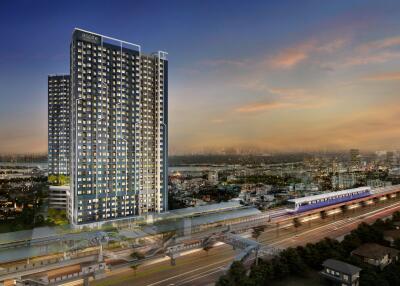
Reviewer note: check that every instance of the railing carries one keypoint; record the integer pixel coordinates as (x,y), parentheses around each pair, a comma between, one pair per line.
(44,263)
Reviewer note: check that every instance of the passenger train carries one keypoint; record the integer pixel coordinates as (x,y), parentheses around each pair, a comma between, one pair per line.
(318,201)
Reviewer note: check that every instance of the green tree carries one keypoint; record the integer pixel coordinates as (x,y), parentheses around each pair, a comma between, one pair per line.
(262,273)
(292,259)
(257,231)
(135,267)
(396,216)
(396,243)
(137,255)
(236,276)
(296,223)
(207,248)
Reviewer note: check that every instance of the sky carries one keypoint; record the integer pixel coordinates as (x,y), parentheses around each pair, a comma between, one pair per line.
(275,76)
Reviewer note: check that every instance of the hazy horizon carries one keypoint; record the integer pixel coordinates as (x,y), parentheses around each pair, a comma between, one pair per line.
(278,76)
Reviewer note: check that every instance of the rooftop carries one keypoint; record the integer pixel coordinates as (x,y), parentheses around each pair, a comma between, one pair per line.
(374,251)
(393,233)
(199,210)
(341,266)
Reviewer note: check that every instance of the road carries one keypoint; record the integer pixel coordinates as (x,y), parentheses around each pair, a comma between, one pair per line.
(200,268)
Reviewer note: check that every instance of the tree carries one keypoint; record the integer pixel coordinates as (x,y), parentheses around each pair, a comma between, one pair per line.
(257,231)
(262,273)
(396,216)
(52,179)
(237,273)
(224,281)
(281,269)
(39,221)
(396,243)
(57,217)
(137,255)
(58,179)
(296,223)
(293,261)
(207,248)
(134,267)
(344,209)
(236,276)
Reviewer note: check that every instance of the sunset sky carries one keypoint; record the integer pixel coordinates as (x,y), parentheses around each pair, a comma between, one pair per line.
(275,75)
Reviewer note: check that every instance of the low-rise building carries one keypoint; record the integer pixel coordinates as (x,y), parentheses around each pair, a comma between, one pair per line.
(376,183)
(376,254)
(341,273)
(58,197)
(391,235)
(213,177)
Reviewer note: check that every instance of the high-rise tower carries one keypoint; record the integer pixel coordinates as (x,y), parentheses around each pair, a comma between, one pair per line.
(58,124)
(119,119)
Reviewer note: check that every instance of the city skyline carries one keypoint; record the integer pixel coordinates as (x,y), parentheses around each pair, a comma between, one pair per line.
(325,77)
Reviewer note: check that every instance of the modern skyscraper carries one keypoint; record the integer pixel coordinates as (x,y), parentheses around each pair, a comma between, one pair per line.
(119,120)
(58,124)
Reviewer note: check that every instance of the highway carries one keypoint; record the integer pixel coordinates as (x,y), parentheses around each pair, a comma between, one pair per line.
(199,268)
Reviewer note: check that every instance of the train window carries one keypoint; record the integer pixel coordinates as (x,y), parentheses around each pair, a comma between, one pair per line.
(292,205)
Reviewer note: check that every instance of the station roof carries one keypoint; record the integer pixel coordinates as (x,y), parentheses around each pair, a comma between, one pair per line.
(200,210)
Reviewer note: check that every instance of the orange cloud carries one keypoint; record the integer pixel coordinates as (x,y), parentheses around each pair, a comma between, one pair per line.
(256,107)
(375,52)
(289,92)
(378,57)
(264,106)
(332,46)
(380,44)
(260,86)
(217,120)
(384,76)
(289,58)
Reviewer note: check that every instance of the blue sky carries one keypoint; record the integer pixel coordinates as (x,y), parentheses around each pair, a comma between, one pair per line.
(272,75)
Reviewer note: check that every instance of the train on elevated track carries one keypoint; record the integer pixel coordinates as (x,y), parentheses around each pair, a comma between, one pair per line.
(303,204)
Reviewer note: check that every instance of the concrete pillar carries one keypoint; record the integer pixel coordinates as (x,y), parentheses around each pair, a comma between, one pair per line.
(100,258)
(86,281)
(173,261)
(257,257)
(277,229)
(187,227)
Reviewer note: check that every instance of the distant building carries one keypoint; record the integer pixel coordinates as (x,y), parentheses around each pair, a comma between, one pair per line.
(378,183)
(344,180)
(341,273)
(213,177)
(390,159)
(58,124)
(376,254)
(355,157)
(302,187)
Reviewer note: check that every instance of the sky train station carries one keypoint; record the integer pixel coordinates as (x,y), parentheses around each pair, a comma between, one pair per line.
(177,232)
